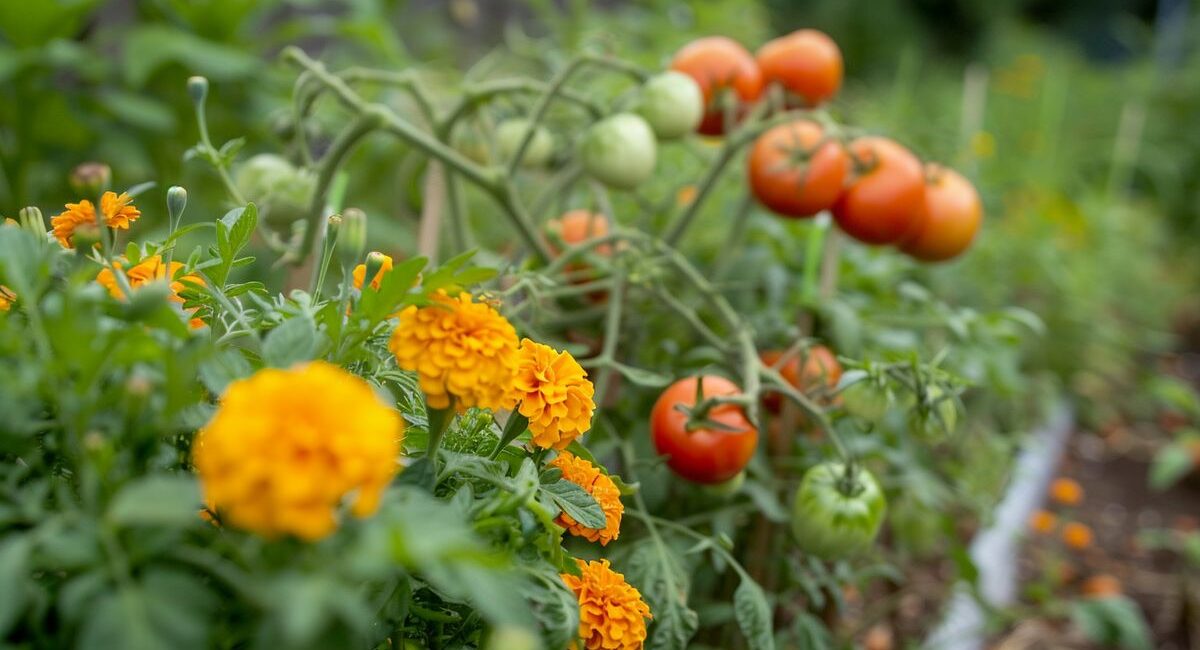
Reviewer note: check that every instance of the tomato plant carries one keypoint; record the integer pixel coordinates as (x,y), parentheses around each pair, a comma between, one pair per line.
(883,200)
(795,171)
(716,445)
(728,76)
(814,370)
(837,511)
(807,63)
(672,104)
(511,132)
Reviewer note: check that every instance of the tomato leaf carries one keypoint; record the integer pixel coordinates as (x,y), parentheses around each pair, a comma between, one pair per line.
(641,377)
(753,614)
(576,502)
(1112,621)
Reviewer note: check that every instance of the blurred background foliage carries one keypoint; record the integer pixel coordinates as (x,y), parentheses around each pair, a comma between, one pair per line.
(1076,119)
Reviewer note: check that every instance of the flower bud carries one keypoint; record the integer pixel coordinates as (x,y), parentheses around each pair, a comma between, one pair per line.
(90,179)
(176,203)
(31,220)
(85,238)
(353,240)
(333,227)
(375,261)
(197,88)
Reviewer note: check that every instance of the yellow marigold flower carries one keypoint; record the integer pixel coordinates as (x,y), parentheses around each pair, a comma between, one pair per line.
(118,210)
(612,614)
(285,447)
(7,298)
(464,352)
(603,490)
(1043,522)
(360,273)
(1066,491)
(1077,536)
(150,270)
(554,393)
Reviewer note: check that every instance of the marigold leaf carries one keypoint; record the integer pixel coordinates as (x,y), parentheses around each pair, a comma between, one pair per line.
(576,502)
(162,500)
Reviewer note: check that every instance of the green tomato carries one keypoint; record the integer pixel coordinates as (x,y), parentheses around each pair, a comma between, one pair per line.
(865,400)
(281,190)
(937,416)
(672,104)
(509,135)
(620,151)
(836,515)
(470,143)
(726,489)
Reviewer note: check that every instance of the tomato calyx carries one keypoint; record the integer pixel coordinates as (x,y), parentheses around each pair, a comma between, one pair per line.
(848,484)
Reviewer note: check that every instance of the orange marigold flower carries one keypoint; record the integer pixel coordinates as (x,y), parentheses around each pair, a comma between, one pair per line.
(360,273)
(612,614)
(150,269)
(554,393)
(118,210)
(1101,585)
(1043,522)
(464,352)
(1077,536)
(1066,491)
(7,298)
(285,447)
(589,477)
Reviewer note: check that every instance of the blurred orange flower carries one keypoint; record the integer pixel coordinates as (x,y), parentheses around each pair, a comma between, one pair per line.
(1066,491)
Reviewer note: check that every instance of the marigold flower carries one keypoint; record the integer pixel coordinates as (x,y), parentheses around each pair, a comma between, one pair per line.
(554,393)
(1101,585)
(1077,536)
(612,614)
(118,210)
(286,446)
(7,298)
(463,351)
(360,273)
(1066,491)
(589,477)
(149,270)
(1043,522)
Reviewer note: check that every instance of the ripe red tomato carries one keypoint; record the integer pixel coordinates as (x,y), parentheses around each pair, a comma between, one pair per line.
(795,171)
(821,368)
(702,455)
(718,65)
(948,219)
(882,203)
(806,62)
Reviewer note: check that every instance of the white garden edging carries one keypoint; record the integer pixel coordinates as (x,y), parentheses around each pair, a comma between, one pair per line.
(994,549)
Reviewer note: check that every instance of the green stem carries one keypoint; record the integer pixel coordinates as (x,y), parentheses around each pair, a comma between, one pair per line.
(612,330)
(345,141)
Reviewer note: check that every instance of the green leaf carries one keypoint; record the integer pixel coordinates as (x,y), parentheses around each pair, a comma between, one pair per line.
(753,615)
(241,223)
(378,305)
(576,502)
(14,574)
(295,340)
(223,368)
(662,580)
(151,46)
(1112,621)
(1171,464)
(157,500)
(641,377)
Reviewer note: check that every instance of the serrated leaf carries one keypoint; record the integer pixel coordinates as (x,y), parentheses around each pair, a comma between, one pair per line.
(754,615)
(157,500)
(295,340)
(223,368)
(576,502)
(241,223)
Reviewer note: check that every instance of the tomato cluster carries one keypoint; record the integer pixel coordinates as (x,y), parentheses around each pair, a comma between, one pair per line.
(878,191)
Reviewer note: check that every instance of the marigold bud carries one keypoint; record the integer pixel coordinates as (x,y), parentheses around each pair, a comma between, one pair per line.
(91,178)
(31,220)
(197,88)
(176,203)
(85,238)
(375,262)
(353,240)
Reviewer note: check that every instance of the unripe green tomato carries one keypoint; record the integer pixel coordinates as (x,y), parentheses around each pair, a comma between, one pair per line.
(470,143)
(726,489)
(938,417)
(619,151)
(834,515)
(865,401)
(672,104)
(509,135)
(280,190)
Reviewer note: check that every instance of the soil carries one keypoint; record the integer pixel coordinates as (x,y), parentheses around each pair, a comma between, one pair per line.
(1112,465)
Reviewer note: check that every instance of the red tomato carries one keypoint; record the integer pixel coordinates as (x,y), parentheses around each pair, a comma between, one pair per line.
(948,219)
(806,62)
(795,171)
(719,65)
(578,226)
(884,201)
(702,455)
(821,369)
